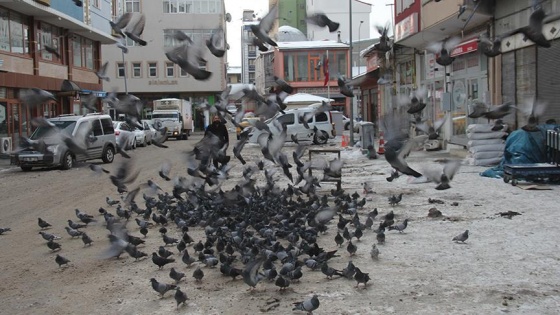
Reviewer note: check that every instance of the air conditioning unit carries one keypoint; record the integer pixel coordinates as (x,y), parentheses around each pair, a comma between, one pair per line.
(5,145)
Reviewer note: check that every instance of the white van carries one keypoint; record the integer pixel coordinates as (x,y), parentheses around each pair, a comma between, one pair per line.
(295,125)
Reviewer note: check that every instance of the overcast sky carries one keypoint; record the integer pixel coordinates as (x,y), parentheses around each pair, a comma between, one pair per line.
(381,13)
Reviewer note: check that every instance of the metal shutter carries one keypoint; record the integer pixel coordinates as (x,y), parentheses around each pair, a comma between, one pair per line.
(526,76)
(508,83)
(548,79)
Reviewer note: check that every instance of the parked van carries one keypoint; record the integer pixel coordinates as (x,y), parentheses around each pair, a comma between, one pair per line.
(323,121)
(94,131)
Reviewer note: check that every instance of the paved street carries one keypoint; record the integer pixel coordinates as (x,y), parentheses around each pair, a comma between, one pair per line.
(505,266)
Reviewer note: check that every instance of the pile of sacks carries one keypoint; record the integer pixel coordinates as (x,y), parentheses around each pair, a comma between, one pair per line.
(486,146)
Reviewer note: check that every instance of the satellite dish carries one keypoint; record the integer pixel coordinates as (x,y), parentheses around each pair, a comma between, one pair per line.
(227,46)
(228,17)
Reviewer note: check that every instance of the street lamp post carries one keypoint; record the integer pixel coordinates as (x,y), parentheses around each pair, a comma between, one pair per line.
(360,47)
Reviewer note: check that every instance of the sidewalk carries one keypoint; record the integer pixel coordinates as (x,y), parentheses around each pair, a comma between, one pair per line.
(5,162)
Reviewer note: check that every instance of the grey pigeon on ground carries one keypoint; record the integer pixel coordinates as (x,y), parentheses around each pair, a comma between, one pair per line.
(251,274)
(308,305)
(161,288)
(61,261)
(399,227)
(374,252)
(175,275)
(198,274)
(180,297)
(4,230)
(43,224)
(462,237)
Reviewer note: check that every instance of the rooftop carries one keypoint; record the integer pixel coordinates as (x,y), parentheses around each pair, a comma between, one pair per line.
(234,70)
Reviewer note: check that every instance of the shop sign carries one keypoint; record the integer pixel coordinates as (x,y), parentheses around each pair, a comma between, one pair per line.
(465,47)
(406,27)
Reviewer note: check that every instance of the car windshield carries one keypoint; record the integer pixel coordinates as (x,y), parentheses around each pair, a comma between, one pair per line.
(170,116)
(65,126)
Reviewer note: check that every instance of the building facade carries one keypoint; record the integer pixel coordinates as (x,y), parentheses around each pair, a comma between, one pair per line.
(291,13)
(298,64)
(249,51)
(146,72)
(339,11)
(67,69)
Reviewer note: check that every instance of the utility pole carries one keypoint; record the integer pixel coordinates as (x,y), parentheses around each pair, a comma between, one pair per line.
(351,75)
(124,67)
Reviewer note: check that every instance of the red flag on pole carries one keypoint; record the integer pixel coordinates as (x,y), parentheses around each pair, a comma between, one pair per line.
(326,69)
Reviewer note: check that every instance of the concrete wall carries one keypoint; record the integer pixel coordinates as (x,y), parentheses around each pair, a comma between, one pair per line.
(69,8)
(435,12)
(80,75)
(100,17)
(53,70)
(17,64)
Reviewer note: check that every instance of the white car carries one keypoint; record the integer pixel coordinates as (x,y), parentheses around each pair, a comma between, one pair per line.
(346,122)
(126,139)
(143,136)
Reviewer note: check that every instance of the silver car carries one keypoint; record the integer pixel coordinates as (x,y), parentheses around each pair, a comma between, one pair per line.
(68,139)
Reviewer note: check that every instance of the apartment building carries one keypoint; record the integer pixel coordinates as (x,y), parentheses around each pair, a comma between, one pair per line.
(75,34)
(146,72)
(249,51)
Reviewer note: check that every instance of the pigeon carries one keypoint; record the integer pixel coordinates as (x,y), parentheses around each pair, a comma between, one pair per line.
(251,274)
(351,248)
(180,297)
(338,239)
(349,271)
(367,188)
(321,20)
(461,237)
(48,236)
(52,245)
(136,31)
(61,261)
(102,73)
(432,131)
(361,277)
(344,88)
(490,47)
(161,261)
(169,240)
(380,237)
(496,113)
(198,274)
(161,288)
(121,24)
(73,233)
(164,170)
(265,25)
(43,224)
(4,230)
(384,44)
(78,3)
(399,227)
(98,169)
(175,275)
(329,271)
(163,252)
(86,239)
(308,305)
(444,49)
(282,283)
(443,176)
(34,96)
(216,44)
(374,252)
(534,31)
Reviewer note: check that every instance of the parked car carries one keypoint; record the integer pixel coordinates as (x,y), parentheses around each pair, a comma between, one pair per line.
(323,121)
(143,136)
(69,139)
(149,127)
(346,122)
(126,139)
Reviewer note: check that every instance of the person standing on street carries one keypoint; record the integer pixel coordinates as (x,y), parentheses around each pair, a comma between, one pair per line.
(218,128)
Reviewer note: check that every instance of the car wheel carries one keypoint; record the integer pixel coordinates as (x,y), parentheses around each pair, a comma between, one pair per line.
(321,140)
(108,155)
(26,168)
(347,126)
(67,161)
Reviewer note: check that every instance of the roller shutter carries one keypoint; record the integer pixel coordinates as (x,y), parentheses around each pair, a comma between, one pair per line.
(548,79)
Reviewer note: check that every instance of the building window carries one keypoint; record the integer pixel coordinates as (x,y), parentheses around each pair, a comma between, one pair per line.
(121,72)
(136,69)
(251,77)
(192,6)
(131,5)
(88,53)
(183,73)
(129,42)
(77,51)
(96,3)
(169,69)
(49,38)
(302,67)
(152,69)
(13,32)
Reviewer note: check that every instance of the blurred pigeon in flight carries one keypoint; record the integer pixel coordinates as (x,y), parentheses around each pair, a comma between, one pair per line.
(136,31)
(322,20)
(265,25)
(444,49)
(216,44)
(384,44)
(121,23)
(534,31)
(102,73)
(35,96)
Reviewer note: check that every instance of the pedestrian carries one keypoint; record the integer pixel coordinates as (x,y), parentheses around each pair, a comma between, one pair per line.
(218,128)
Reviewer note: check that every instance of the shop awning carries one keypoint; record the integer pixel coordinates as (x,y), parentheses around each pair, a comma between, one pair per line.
(68,88)
(465,47)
